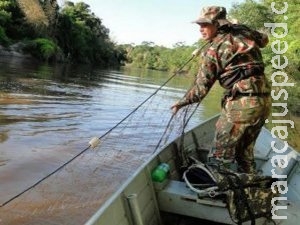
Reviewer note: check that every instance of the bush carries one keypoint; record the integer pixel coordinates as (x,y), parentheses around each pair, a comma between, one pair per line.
(4,40)
(42,48)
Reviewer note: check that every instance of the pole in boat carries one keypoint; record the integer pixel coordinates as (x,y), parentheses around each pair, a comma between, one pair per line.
(135,209)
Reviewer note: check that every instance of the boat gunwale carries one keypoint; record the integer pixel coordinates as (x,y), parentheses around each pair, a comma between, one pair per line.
(95,217)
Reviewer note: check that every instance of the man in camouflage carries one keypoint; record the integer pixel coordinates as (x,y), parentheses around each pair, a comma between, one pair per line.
(232,57)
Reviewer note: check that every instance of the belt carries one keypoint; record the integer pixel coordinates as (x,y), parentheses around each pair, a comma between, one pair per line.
(252,94)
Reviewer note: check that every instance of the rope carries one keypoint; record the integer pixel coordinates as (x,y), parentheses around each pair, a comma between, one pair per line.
(164,133)
(185,123)
(150,96)
(184,160)
(44,178)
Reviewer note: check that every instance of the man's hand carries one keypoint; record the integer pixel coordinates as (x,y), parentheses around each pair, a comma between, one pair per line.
(175,108)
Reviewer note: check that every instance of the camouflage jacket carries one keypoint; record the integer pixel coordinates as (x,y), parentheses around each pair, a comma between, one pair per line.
(227,57)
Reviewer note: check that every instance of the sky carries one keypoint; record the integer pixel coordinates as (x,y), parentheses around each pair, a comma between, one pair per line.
(164,22)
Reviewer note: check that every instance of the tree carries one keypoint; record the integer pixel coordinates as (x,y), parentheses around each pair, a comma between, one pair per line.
(83,37)
(51,10)
(34,14)
(251,13)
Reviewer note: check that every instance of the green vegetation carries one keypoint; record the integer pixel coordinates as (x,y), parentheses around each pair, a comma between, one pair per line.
(50,33)
(4,39)
(42,48)
(149,56)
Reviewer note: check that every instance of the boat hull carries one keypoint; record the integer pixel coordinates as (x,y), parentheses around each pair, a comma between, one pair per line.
(140,201)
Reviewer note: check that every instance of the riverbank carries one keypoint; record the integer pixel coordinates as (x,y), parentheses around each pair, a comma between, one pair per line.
(15,50)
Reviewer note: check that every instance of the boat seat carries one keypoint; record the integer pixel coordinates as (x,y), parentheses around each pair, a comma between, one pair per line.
(177,198)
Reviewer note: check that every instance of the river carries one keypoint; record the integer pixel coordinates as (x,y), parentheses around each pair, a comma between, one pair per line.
(49,113)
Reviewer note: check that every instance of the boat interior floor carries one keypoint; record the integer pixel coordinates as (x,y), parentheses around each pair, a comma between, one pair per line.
(175,219)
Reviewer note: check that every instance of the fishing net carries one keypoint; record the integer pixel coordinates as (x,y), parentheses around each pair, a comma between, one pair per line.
(80,185)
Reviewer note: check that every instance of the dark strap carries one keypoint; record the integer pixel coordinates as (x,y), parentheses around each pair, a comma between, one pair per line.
(228,80)
(252,71)
(252,94)
(240,73)
(229,94)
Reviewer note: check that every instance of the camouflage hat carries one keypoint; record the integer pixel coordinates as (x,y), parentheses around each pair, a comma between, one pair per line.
(211,14)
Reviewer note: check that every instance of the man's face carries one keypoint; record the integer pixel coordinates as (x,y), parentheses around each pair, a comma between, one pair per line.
(208,31)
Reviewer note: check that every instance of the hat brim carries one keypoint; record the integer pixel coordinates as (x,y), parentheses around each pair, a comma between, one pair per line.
(202,20)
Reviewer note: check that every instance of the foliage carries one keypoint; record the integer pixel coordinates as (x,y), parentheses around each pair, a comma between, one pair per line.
(13,21)
(74,29)
(5,15)
(4,40)
(34,15)
(150,56)
(83,37)
(51,11)
(5,18)
(251,13)
(42,48)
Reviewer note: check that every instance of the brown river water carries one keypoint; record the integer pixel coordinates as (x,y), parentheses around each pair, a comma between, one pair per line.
(49,113)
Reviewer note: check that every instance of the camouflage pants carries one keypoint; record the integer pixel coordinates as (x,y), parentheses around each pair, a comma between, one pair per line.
(237,129)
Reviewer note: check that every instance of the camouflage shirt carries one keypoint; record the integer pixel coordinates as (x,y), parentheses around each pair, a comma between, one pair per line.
(227,56)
